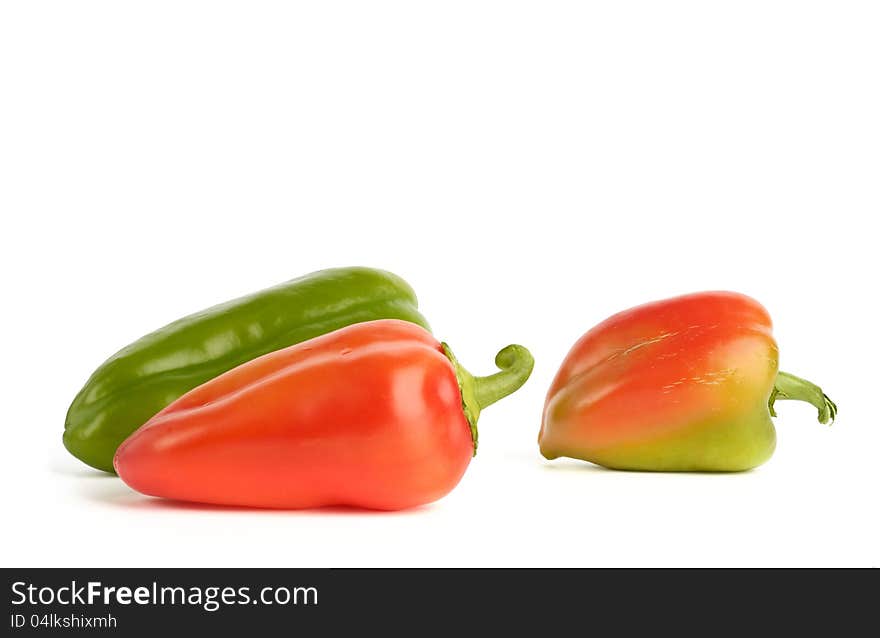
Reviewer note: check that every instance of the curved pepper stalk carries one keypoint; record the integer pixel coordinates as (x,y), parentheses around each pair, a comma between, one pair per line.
(515,363)
(791,388)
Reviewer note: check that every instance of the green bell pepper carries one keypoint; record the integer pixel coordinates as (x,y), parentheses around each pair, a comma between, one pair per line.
(147,375)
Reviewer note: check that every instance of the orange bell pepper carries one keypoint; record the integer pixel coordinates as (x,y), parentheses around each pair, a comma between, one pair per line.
(683,384)
(375,415)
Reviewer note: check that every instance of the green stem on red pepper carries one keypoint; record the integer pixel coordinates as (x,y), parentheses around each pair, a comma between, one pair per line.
(515,363)
(788,387)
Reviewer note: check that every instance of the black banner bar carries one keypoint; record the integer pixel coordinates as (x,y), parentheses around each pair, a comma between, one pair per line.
(132,602)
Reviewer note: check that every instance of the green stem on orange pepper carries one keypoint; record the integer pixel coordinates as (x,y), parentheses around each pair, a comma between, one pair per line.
(515,363)
(788,387)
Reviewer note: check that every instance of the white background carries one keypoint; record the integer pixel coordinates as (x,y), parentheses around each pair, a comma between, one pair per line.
(529,167)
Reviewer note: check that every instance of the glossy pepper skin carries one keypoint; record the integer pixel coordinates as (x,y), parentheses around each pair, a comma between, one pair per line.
(684,384)
(147,375)
(377,415)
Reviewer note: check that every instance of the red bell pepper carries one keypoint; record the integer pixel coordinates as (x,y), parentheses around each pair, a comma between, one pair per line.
(683,384)
(376,415)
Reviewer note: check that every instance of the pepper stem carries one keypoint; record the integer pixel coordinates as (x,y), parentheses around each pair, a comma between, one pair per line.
(515,363)
(790,387)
